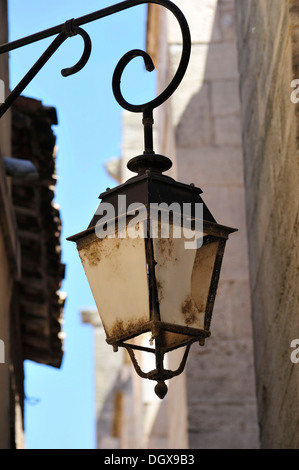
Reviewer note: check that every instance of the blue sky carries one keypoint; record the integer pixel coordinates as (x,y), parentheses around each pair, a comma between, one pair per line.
(60,404)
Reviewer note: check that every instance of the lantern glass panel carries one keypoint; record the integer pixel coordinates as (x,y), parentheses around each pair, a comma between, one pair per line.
(116,270)
(183,273)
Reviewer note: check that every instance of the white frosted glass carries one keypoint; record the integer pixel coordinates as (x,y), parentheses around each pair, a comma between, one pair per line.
(173,276)
(117,274)
(183,279)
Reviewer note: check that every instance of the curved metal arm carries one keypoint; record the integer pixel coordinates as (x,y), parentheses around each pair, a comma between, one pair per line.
(71,27)
(72,30)
(159,374)
(185,56)
(149,65)
(68,31)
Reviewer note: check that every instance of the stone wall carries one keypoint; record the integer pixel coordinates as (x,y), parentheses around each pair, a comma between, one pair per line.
(268,62)
(31,270)
(5,289)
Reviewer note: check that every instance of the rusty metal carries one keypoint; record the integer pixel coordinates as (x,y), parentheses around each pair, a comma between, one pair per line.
(160,374)
(156,327)
(214,282)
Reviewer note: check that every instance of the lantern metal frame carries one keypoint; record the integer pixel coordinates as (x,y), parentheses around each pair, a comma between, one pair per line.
(150,184)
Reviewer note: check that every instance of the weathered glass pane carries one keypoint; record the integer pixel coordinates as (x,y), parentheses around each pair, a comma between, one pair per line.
(117,273)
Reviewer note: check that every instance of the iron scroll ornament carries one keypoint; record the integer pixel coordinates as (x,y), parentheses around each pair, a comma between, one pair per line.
(72,27)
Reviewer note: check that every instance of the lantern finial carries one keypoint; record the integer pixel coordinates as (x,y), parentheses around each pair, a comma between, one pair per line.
(161,389)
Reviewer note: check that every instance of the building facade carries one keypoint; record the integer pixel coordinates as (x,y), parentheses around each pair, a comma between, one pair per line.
(31,270)
(9,249)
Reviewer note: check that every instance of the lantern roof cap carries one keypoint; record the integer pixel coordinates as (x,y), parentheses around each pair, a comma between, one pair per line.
(153,187)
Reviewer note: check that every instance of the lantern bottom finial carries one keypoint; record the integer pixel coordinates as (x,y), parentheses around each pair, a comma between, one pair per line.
(161,389)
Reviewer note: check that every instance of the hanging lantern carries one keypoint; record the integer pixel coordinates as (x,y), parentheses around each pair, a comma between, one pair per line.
(153,266)
(153,251)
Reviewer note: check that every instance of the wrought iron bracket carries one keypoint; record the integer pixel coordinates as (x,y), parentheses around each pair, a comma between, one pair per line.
(71,28)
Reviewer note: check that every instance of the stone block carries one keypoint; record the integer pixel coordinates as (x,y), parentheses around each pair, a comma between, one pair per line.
(235,261)
(194,78)
(194,128)
(221,371)
(223,426)
(232,310)
(208,62)
(225,97)
(176,400)
(210,166)
(222,61)
(227,130)
(227,206)
(225,17)
(201,20)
